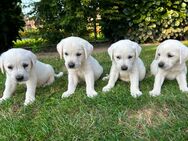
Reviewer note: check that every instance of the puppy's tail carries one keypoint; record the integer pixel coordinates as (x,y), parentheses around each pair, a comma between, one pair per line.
(60,74)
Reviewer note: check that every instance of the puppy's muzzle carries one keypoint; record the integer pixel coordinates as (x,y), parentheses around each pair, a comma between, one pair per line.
(71,65)
(161,64)
(19,78)
(124,67)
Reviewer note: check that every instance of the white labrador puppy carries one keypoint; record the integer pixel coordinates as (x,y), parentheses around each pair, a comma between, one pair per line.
(169,63)
(22,67)
(126,65)
(80,64)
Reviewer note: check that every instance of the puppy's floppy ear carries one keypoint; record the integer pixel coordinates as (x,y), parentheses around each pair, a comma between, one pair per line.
(111,51)
(183,53)
(33,58)
(137,49)
(157,50)
(1,64)
(88,48)
(60,48)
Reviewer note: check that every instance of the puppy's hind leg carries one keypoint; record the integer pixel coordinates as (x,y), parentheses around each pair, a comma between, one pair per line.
(52,77)
(181,79)
(49,81)
(10,87)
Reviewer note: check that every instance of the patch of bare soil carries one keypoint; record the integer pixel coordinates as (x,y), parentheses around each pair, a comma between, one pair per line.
(150,116)
(147,116)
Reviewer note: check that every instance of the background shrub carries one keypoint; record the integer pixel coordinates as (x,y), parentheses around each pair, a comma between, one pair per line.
(145,20)
(139,20)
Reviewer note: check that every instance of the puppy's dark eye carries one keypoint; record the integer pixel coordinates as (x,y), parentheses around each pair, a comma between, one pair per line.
(25,65)
(170,55)
(66,54)
(118,57)
(129,57)
(10,67)
(159,54)
(78,54)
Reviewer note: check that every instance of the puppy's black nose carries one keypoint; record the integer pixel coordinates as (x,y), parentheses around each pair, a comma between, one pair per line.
(19,77)
(71,65)
(161,64)
(124,68)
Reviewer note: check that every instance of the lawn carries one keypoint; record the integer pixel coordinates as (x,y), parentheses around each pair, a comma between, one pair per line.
(115,115)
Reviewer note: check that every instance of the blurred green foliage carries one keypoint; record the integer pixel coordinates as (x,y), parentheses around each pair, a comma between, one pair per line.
(139,20)
(145,20)
(34,44)
(60,18)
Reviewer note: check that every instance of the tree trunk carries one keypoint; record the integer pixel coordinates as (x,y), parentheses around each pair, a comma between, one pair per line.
(95,28)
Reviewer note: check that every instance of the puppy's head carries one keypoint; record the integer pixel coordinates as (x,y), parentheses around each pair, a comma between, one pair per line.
(75,51)
(124,53)
(17,63)
(170,53)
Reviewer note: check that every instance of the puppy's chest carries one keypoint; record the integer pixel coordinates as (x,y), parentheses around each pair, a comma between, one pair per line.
(172,75)
(124,76)
(80,75)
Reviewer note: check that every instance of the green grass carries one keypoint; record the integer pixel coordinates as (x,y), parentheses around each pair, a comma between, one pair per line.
(115,115)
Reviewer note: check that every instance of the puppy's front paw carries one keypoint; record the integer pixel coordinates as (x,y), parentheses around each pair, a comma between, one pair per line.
(92,94)
(154,93)
(66,94)
(136,93)
(185,90)
(29,101)
(106,89)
